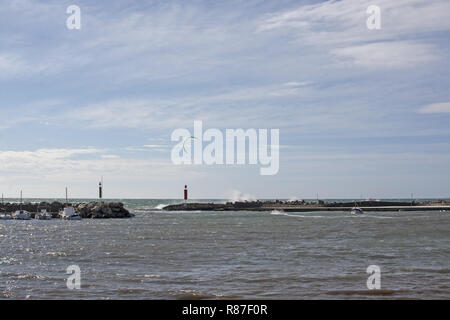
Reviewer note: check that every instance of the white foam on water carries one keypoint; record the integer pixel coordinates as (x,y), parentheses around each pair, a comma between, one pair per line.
(278,213)
(281,213)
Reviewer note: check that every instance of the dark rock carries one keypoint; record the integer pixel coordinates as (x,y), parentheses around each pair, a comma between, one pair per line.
(93,209)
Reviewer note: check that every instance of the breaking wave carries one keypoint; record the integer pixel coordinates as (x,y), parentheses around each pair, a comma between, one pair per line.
(160,206)
(239,196)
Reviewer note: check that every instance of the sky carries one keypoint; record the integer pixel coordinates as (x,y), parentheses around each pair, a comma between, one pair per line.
(361,113)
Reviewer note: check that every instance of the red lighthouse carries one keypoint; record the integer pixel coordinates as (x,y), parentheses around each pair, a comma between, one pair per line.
(185,193)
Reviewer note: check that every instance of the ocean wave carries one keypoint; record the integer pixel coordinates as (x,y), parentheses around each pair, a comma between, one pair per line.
(428,270)
(282,213)
(131,291)
(57,254)
(9,261)
(188,294)
(380,292)
(30,276)
(183,211)
(152,276)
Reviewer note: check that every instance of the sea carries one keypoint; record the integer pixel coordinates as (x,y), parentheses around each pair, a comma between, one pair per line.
(228,255)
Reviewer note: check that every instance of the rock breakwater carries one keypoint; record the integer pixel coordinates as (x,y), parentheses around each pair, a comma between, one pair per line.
(93,209)
(303,206)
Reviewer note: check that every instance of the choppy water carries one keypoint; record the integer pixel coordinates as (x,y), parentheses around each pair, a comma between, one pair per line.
(175,255)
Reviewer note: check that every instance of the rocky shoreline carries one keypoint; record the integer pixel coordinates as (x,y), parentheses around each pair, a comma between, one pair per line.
(302,206)
(93,209)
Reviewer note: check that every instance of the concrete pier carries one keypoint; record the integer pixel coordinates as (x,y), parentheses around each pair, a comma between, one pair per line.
(384,208)
(307,207)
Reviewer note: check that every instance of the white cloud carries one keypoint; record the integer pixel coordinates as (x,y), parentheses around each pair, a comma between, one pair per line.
(40,159)
(73,165)
(345,21)
(177,112)
(340,28)
(110,156)
(155,146)
(443,107)
(132,113)
(12,65)
(404,54)
(297,84)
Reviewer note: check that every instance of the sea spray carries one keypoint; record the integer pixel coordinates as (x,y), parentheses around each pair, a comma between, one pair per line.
(238,196)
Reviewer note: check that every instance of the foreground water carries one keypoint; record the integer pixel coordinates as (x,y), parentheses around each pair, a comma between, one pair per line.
(228,255)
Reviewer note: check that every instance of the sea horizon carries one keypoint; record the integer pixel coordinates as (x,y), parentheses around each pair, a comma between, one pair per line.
(222,199)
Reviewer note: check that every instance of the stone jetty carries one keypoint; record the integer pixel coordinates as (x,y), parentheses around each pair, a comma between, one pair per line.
(93,209)
(303,206)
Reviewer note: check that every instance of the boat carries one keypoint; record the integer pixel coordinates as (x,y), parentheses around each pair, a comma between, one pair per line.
(5,216)
(357,210)
(68,213)
(43,215)
(21,215)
